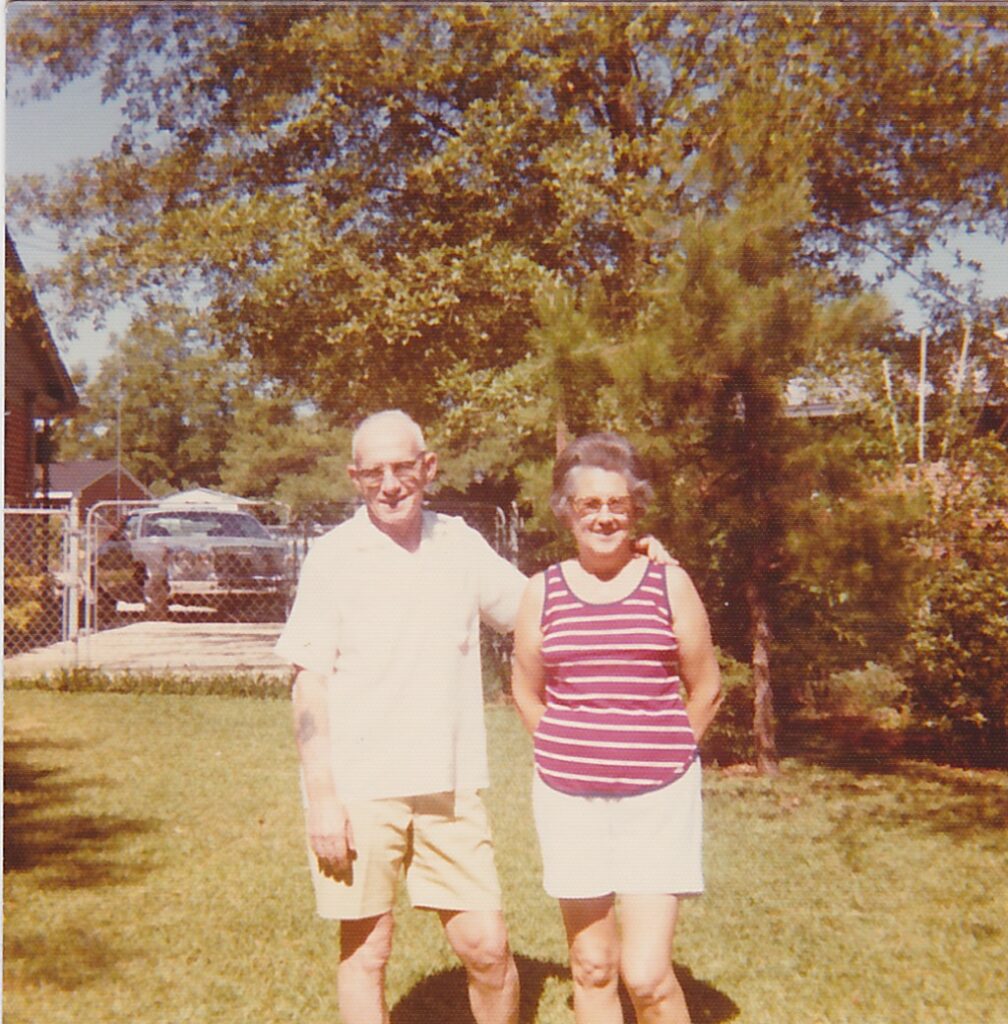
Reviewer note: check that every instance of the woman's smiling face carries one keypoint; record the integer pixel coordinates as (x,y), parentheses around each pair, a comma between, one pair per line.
(601,512)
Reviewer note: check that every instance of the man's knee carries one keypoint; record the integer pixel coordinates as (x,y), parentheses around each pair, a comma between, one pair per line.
(480,941)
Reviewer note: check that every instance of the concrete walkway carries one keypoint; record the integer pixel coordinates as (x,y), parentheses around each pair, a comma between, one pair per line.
(185,647)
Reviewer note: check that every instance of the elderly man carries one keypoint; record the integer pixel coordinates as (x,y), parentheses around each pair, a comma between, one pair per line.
(388,708)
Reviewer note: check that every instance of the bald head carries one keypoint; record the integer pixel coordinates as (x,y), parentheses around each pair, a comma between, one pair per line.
(389,422)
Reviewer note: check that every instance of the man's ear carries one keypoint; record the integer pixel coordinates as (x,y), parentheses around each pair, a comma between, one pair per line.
(430,465)
(351,472)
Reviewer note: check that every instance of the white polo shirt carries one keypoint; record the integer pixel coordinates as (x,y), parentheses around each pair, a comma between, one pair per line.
(397,633)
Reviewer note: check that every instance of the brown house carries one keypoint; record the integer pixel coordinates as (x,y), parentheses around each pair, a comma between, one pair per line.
(90,481)
(37,386)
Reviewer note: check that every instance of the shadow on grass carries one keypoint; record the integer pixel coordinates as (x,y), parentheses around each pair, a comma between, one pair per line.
(965,806)
(68,958)
(443,996)
(43,828)
(958,802)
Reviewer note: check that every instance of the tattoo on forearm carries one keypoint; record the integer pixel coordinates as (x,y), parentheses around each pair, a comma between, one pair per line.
(305,727)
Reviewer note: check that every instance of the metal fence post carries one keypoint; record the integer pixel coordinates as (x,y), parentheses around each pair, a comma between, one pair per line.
(73,592)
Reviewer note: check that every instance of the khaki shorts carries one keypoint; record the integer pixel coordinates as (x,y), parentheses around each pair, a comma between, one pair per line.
(441,841)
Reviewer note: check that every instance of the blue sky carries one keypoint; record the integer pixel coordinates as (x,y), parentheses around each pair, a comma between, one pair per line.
(41,136)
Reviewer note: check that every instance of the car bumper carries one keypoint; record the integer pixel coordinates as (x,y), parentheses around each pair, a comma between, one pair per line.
(224,588)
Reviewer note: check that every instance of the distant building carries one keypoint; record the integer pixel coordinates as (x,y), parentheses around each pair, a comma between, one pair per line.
(37,387)
(89,481)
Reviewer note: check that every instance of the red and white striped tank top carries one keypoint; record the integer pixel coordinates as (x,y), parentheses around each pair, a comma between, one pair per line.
(615,723)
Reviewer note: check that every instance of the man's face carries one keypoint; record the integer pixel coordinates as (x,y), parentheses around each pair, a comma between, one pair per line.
(391,474)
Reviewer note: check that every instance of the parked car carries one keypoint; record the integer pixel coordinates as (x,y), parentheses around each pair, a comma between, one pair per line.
(196,557)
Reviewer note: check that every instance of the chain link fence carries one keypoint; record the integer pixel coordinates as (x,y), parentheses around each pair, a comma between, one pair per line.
(40,587)
(180,575)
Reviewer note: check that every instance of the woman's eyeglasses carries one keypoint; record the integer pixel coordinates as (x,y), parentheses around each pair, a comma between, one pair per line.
(585,508)
(406,471)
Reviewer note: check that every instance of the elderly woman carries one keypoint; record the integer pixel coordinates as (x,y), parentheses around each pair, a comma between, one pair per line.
(602,643)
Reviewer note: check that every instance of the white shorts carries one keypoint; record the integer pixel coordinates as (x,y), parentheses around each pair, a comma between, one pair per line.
(647,844)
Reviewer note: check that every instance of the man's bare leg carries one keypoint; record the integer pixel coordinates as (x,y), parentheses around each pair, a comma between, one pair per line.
(479,939)
(365,947)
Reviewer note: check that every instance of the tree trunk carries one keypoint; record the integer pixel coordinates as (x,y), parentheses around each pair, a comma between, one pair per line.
(760,412)
(562,434)
(764,721)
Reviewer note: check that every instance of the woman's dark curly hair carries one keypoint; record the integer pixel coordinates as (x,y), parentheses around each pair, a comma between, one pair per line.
(599,451)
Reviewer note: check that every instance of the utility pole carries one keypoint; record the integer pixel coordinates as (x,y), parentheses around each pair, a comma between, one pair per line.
(921,393)
(960,381)
(119,377)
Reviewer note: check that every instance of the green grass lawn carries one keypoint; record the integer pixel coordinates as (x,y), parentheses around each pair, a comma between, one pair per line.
(155,874)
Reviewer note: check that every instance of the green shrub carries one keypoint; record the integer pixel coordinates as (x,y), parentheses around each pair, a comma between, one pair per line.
(31,607)
(87,680)
(495,656)
(875,691)
(729,739)
(959,664)
(957,658)
(854,713)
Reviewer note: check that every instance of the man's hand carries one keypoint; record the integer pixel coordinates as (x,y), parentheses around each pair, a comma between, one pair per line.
(331,837)
(655,550)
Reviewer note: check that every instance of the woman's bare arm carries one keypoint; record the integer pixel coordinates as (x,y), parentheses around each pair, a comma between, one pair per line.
(528,680)
(698,666)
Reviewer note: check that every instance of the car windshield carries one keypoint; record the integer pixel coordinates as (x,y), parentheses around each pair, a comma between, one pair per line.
(203,524)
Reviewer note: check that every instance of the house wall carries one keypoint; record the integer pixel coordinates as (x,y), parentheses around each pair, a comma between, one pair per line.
(21,383)
(19,455)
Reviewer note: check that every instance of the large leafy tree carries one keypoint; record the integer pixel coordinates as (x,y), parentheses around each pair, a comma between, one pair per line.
(364,197)
(181,414)
(374,203)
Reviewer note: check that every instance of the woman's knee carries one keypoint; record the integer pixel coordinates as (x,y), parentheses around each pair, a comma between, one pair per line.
(648,982)
(594,964)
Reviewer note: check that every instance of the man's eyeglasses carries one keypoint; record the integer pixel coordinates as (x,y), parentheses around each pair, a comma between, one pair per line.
(406,471)
(621,507)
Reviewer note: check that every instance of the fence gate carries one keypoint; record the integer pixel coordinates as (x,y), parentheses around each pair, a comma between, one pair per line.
(42,581)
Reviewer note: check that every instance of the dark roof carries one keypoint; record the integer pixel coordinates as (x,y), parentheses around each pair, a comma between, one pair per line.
(22,314)
(73,477)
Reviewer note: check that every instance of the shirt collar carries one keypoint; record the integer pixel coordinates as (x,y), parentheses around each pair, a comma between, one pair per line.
(367,537)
